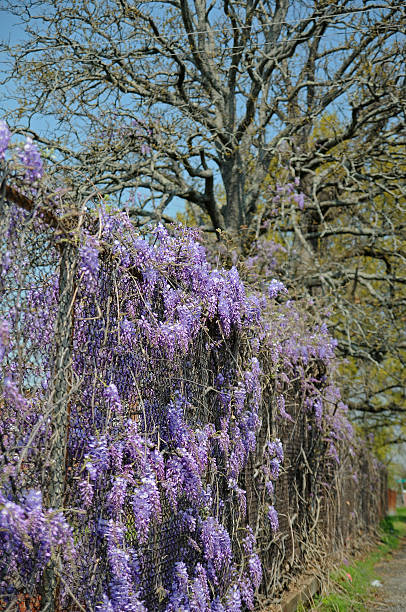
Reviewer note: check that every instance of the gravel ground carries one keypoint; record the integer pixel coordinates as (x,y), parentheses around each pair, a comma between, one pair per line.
(392,574)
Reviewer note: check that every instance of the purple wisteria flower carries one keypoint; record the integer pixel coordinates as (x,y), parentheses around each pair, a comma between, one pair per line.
(280,402)
(4,337)
(117,495)
(13,396)
(31,160)
(105,606)
(240,496)
(179,595)
(97,459)
(332,451)
(217,606)
(275,448)
(123,596)
(29,535)
(113,398)
(248,542)
(275,287)
(146,505)
(273,519)
(240,394)
(182,576)
(86,490)
(5,136)
(318,410)
(233,601)
(6,262)
(255,570)
(217,544)
(200,595)
(299,199)
(275,466)
(270,489)
(89,262)
(178,430)
(247,592)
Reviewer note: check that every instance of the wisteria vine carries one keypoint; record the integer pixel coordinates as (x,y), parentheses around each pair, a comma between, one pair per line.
(166,406)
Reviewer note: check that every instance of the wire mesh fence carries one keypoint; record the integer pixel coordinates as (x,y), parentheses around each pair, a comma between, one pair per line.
(140,429)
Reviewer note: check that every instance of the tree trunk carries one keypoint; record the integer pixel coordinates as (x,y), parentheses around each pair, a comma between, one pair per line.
(234,184)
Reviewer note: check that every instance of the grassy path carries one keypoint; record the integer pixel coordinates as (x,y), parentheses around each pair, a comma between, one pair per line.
(392,573)
(351,588)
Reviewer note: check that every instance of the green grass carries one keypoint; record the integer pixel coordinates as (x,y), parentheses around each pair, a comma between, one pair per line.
(352,595)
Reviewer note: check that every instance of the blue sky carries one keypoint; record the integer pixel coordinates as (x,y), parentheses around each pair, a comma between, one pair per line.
(11,31)
(9,27)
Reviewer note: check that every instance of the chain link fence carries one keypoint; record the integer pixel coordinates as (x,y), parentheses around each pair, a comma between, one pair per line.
(68,337)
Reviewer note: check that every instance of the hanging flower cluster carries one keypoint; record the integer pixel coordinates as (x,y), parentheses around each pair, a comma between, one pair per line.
(31,160)
(29,536)
(5,136)
(289,191)
(29,156)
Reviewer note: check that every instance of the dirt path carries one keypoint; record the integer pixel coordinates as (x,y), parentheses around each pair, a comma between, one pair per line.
(392,574)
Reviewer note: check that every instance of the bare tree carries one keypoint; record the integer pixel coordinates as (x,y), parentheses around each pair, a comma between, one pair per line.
(221,85)
(181,97)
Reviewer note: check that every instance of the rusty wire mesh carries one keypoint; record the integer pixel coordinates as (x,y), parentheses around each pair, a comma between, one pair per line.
(61,336)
